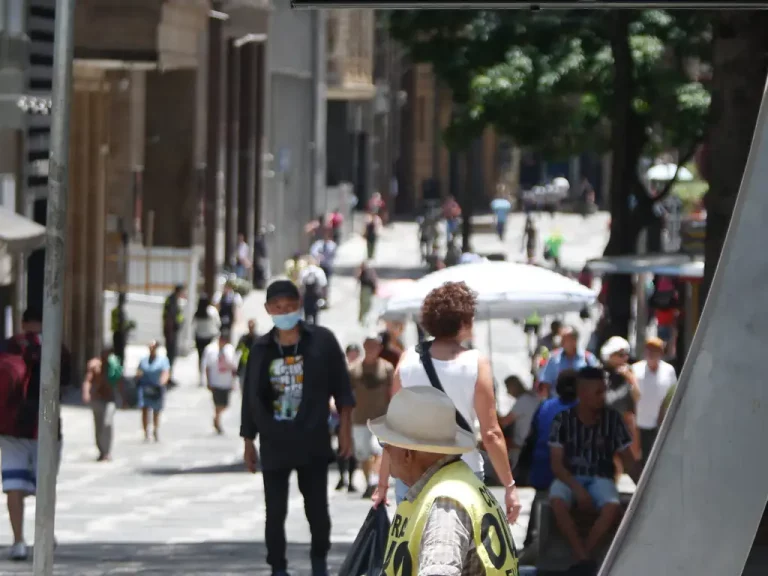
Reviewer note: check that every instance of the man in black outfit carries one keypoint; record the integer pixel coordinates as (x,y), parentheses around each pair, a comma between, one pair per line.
(292,373)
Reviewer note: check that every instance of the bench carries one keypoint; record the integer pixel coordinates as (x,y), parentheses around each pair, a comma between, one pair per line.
(552,551)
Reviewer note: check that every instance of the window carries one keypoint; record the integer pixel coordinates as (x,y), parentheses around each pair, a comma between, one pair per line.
(13,19)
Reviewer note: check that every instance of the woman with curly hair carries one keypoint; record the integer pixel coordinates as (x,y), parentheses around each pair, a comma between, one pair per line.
(448,314)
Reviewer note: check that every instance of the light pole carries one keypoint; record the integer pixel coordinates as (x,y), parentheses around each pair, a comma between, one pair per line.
(53,295)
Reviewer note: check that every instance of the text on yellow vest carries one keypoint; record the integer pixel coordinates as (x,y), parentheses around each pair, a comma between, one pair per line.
(492,537)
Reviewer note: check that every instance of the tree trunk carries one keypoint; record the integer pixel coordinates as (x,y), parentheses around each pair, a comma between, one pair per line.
(738,80)
(627,138)
(467,204)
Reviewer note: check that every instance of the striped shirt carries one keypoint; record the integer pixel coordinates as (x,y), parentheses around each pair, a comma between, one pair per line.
(589,450)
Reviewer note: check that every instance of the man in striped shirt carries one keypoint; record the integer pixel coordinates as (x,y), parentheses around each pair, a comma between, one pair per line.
(583,441)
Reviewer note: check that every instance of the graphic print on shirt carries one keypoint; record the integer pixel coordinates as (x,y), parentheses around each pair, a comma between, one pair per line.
(286,375)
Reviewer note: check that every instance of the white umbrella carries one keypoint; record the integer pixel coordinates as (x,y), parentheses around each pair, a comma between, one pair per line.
(665,173)
(504,290)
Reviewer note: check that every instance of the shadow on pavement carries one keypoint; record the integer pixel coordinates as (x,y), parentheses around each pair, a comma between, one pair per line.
(384,272)
(213,469)
(198,558)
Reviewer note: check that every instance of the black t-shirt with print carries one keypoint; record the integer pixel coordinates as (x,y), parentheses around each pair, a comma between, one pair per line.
(589,450)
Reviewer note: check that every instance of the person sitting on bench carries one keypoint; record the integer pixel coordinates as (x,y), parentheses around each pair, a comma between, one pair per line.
(583,441)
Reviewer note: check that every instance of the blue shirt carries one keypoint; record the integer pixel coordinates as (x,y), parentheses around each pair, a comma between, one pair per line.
(541,475)
(501,208)
(152,369)
(558,362)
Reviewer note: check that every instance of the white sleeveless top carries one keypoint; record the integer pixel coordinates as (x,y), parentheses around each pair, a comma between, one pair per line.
(458,377)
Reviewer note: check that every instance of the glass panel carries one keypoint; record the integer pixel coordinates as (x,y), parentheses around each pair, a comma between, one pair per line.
(15,16)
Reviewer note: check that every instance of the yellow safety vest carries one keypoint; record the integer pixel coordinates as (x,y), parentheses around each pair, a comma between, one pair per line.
(533,320)
(492,536)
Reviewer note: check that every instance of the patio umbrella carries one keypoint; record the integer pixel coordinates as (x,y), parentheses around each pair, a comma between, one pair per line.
(665,173)
(504,290)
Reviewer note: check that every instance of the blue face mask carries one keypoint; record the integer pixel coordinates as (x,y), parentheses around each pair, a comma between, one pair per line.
(286,321)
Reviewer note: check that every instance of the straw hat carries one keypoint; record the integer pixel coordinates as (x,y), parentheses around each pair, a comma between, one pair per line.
(422,418)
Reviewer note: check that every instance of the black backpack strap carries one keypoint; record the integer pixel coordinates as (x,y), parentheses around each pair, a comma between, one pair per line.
(426,361)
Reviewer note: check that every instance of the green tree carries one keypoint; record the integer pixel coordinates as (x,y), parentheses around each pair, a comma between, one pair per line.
(562,82)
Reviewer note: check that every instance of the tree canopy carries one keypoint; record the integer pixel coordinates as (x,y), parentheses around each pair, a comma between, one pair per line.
(546,79)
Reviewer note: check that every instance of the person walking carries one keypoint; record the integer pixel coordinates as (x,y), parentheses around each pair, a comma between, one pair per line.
(244,346)
(121,327)
(568,357)
(313,283)
(173,321)
(366,277)
(444,523)
(152,379)
(228,302)
(18,443)
(501,207)
(103,382)
(293,372)
(371,233)
(206,325)
(447,314)
(220,367)
(371,379)
(530,239)
(655,378)
(324,253)
(243,258)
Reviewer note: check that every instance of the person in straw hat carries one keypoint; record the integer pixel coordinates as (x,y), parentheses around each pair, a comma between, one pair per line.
(448,517)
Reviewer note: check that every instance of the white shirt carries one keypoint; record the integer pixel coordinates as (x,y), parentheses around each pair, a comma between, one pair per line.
(220,365)
(243,252)
(458,378)
(209,326)
(312,270)
(653,389)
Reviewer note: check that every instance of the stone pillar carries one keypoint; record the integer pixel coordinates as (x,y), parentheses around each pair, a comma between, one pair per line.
(247,142)
(233,150)
(213,148)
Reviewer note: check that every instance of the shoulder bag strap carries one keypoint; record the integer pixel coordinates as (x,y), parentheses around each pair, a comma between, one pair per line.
(429,368)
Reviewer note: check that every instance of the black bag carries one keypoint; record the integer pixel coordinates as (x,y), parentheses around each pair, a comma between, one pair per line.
(522,471)
(429,368)
(366,556)
(152,392)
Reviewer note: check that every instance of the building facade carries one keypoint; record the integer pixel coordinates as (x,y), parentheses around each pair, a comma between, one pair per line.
(351,96)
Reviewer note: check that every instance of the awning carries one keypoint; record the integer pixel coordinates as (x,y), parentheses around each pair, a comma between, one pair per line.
(19,234)
(680,265)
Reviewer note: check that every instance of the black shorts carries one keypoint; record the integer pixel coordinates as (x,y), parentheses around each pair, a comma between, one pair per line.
(220,397)
(531,328)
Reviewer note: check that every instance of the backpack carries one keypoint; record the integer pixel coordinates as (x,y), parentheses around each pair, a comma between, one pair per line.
(18,401)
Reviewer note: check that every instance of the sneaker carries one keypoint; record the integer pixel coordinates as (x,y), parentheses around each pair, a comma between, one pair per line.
(368,492)
(341,484)
(18,552)
(351,488)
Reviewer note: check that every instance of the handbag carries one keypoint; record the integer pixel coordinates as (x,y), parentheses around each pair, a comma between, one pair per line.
(429,368)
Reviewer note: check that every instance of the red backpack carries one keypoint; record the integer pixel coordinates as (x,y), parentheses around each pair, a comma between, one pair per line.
(18,411)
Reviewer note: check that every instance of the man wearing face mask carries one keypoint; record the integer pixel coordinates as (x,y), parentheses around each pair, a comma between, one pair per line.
(293,371)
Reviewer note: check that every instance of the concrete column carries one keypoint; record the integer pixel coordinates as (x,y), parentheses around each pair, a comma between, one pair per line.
(232,150)
(213,144)
(319,110)
(247,142)
(260,75)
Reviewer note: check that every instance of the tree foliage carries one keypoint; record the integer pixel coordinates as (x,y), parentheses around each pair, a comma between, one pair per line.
(546,79)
